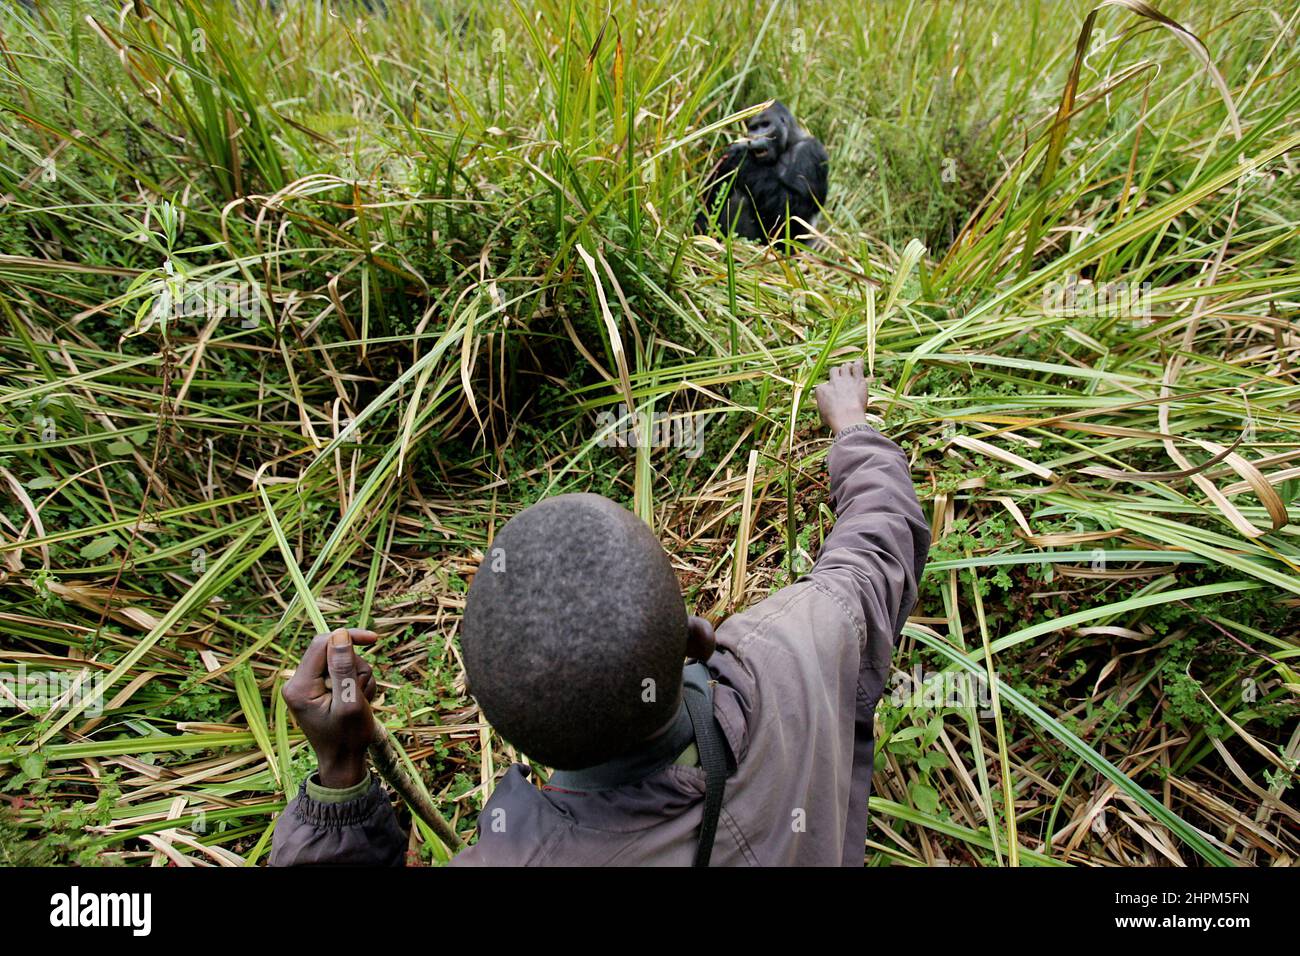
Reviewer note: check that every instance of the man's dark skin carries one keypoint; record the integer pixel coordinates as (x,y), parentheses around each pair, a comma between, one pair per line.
(339,723)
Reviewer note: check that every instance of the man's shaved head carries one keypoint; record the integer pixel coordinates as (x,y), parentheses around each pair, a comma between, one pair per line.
(575,631)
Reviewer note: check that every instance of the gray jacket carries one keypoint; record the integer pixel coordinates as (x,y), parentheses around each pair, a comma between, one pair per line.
(797,678)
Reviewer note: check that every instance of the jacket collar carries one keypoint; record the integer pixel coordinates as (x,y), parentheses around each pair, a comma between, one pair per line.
(649,757)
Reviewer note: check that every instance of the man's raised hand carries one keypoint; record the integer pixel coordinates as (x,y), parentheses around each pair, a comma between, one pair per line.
(842,398)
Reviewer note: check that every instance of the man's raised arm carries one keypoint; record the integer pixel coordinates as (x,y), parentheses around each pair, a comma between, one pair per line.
(874,555)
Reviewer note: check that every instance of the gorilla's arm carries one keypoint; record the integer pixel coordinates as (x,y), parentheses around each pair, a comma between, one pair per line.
(722,179)
(802,170)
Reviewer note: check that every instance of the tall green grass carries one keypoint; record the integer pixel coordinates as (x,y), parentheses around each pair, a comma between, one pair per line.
(464,233)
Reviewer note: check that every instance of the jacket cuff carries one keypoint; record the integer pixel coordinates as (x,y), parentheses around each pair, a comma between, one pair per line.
(850,429)
(334,813)
(323,794)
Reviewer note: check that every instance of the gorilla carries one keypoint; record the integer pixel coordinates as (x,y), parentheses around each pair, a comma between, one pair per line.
(762,182)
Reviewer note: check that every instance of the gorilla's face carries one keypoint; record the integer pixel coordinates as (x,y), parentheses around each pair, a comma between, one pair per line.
(769,133)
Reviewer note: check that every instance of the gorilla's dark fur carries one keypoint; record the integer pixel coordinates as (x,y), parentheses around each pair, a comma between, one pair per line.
(777,174)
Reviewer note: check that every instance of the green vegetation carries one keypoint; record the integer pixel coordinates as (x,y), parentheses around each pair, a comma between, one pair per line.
(385,271)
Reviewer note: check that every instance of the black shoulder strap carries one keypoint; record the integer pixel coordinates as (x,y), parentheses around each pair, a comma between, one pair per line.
(713,758)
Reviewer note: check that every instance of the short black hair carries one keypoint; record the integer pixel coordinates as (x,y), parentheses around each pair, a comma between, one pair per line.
(575,632)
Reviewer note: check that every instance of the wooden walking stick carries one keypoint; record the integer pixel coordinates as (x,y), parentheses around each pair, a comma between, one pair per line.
(387,758)
(385,752)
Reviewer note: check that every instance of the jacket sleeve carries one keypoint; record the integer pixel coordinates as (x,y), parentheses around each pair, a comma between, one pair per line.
(322,827)
(874,555)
